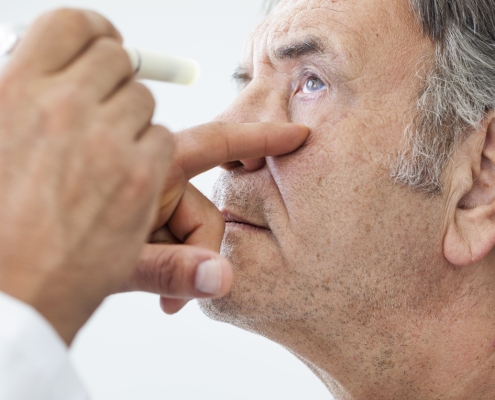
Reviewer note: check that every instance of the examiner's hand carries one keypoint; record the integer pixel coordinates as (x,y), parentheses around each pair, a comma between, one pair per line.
(176,271)
(81,167)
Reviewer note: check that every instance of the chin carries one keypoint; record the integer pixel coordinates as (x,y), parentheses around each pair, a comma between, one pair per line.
(249,254)
(219,310)
(263,290)
(244,306)
(228,310)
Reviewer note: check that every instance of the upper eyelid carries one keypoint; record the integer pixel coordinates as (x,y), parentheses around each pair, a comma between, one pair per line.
(306,73)
(242,77)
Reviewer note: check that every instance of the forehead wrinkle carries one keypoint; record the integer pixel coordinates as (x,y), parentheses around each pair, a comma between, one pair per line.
(345,51)
(324,36)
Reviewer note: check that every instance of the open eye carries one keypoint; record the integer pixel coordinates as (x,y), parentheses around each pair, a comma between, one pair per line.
(312,85)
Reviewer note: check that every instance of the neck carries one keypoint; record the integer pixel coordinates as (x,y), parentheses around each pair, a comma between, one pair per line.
(450,355)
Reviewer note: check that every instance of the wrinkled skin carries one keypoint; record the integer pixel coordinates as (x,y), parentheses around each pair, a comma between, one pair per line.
(349,271)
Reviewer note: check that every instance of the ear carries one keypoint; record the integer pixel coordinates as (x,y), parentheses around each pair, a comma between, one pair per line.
(470,224)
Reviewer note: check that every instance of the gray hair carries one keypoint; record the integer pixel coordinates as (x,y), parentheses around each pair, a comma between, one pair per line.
(457,93)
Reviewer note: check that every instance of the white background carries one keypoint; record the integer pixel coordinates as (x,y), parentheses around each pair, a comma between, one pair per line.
(129,349)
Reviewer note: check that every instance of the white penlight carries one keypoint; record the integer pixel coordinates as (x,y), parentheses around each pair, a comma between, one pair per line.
(146,64)
(163,67)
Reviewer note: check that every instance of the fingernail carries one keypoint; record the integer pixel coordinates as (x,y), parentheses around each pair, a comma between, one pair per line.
(209,277)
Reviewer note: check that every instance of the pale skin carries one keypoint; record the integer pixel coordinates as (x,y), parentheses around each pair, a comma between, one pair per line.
(384,292)
(86,177)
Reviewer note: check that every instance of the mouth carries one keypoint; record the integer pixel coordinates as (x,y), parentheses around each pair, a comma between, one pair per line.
(234,221)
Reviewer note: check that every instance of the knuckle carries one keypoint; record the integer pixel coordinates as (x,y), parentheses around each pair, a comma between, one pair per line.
(165,140)
(137,102)
(167,136)
(173,279)
(106,52)
(143,96)
(70,19)
(79,22)
(215,126)
(110,49)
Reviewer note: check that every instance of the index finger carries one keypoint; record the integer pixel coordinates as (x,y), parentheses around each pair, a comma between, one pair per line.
(59,36)
(204,147)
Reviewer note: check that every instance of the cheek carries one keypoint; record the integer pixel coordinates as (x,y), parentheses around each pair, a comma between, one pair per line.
(331,164)
(316,160)
(318,111)
(329,189)
(306,182)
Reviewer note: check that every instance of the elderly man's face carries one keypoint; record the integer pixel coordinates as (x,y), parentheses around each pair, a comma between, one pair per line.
(335,245)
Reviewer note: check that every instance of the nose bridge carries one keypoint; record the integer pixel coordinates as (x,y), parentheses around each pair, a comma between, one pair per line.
(258,102)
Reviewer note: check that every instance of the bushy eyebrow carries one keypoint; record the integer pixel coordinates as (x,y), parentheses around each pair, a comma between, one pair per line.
(310,45)
(307,46)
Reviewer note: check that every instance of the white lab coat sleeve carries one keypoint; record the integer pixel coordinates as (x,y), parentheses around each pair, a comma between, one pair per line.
(34,362)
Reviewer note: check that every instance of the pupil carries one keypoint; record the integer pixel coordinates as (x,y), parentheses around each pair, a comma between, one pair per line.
(313,84)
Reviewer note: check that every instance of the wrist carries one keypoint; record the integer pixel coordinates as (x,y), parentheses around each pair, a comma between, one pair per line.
(65,307)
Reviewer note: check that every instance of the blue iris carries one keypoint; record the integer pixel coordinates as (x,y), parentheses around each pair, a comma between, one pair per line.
(313,84)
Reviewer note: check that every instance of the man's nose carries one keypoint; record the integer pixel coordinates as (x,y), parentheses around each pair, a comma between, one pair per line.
(255,103)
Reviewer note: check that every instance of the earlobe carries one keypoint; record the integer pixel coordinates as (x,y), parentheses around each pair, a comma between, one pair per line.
(470,231)
(472,237)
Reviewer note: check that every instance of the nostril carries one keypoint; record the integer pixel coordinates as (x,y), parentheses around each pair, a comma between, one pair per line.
(249,165)
(231,165)
(253,164)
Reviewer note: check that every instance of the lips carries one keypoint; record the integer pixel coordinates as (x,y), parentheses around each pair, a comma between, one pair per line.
(234,220)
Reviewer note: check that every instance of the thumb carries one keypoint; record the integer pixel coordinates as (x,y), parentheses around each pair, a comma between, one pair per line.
(181,272)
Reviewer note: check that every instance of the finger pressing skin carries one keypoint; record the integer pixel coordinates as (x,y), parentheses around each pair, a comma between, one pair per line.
(196,221)
(207,146)
(57,37)
(181,272)
(101,68)
(204,147)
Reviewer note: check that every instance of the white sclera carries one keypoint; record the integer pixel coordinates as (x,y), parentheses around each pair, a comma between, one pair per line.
(163,67)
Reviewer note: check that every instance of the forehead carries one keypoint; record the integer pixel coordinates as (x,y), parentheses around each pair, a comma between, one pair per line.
(352,30)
